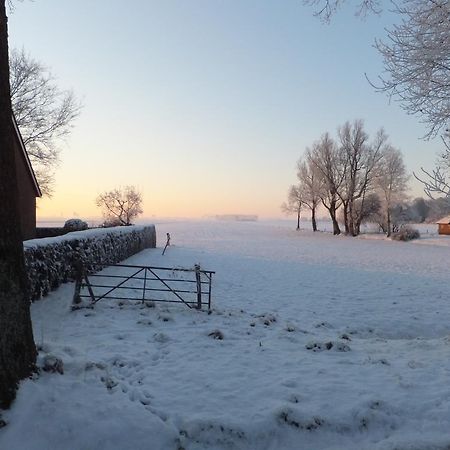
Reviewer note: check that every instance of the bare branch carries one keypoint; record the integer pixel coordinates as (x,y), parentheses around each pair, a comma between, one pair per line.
(121,205)
(44,113)
(416,56)
(326,9)
(436,183)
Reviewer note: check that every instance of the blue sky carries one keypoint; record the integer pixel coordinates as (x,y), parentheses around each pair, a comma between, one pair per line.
(205,105)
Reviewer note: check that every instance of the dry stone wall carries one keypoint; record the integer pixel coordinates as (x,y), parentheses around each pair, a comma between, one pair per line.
(50,261)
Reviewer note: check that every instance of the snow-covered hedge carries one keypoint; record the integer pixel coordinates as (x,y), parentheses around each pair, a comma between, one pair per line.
(75,225)
(406,233)
(50,261)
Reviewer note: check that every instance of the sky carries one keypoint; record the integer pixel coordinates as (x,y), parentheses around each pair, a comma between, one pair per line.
(205,105)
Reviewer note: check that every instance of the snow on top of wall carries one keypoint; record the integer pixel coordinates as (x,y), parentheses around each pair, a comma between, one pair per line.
(81,235)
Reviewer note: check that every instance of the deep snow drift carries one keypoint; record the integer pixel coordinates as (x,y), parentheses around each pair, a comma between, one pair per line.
(328,343)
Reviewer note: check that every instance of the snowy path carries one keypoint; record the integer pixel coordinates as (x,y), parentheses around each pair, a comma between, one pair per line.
(329,343)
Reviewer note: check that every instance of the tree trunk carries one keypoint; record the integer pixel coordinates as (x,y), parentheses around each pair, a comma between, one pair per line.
(332,211)
(313,219)
(336,229)
(17,349)
(388,224)
(298,219)
(357,229)
(346,224)
(351,219)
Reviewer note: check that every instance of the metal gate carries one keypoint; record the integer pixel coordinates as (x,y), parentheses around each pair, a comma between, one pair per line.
(191,287)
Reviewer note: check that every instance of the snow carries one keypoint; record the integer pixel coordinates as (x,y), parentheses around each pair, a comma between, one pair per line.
(328,343)
(81,235)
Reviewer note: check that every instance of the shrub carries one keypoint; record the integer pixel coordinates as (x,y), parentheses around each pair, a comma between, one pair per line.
(75,225)
(405,233)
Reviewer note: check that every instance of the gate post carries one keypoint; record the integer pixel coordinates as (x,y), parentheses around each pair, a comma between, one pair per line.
(78,269)
(199,286)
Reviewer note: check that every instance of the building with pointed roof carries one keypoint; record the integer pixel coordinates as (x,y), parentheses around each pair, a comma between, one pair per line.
(28,186)
(444,225)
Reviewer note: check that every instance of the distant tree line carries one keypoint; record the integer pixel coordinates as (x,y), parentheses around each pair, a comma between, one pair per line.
(421,210)
(355,178)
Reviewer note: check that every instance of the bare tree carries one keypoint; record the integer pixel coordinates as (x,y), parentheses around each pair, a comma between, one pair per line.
(330,163)
(44,113)
(392,184)
(353,141)
(294,203)
(121,204)
(416,56)
(311,185)
(362,159)
(417,61)
(17,348)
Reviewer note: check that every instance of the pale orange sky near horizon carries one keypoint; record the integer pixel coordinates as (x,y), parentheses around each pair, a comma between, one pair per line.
(67,205)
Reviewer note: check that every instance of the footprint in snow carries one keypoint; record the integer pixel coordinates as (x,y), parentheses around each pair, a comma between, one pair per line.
(267,319)
(216,334)
(294,398)
(289,383)
(321,346)
(415,364)
(144,322)
(161,338)
(165,318)
(323,325)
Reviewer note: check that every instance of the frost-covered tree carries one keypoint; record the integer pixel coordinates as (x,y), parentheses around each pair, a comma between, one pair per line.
(362,159)
(44,113)
(120,205)
(416,57)
(420,210)
(294,203)
(311,185)
(17,348)
(330,163)
(392,184)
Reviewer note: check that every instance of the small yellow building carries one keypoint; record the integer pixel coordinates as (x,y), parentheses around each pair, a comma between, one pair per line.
(444,225)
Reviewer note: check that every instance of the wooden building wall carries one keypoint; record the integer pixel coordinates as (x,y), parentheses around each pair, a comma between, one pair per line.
(444,228)
(27,195)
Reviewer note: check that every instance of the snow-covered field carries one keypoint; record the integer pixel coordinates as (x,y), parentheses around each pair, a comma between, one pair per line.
(329,343)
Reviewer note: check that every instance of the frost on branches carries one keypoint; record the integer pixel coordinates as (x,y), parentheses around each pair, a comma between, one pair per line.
(120,206)
(417,61)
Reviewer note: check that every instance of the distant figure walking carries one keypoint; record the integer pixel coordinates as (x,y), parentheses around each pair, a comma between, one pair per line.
(167,243)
